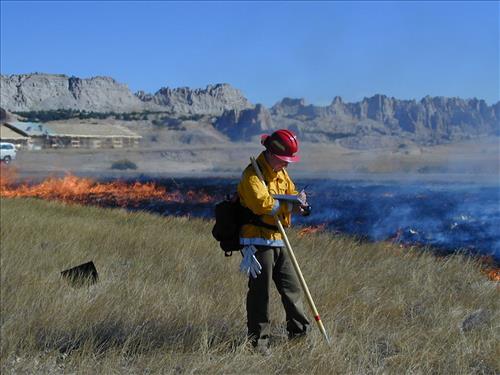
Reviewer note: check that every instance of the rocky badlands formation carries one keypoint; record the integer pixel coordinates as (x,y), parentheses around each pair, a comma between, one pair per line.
(377,121)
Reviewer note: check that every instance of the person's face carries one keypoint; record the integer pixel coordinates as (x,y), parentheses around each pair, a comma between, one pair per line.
(276,163)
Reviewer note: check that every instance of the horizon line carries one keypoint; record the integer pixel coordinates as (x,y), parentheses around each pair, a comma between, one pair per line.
(306,103)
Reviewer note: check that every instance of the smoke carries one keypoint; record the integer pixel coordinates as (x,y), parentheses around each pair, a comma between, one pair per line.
(451,217)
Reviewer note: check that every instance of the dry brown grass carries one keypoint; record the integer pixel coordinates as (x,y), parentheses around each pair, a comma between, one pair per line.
(169,302)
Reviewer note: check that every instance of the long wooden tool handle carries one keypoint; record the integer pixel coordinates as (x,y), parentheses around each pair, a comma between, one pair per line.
(295,263)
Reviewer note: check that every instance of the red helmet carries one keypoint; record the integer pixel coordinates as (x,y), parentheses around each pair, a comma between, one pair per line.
(283,144)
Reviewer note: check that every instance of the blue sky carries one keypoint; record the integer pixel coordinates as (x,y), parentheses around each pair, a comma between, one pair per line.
(269,50)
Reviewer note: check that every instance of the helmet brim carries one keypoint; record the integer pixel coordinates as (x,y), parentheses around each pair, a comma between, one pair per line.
(288,159)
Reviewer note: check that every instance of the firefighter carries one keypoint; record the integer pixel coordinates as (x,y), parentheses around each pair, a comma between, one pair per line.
(264,254)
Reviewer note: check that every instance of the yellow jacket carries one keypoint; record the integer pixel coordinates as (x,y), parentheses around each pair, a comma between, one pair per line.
(257,198)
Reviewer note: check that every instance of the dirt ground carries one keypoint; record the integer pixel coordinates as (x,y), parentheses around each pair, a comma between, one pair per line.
(468,161)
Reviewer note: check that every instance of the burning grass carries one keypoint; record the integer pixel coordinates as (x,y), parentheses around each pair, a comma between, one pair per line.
(311,230)
(72,189)
(168,301)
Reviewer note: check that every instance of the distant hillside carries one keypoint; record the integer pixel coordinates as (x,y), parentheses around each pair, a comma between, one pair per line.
(373,120)
(213,100)
(42,92)
(39,92)
(378,121)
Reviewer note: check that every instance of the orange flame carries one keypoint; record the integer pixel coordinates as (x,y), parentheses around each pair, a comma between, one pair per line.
(8,175)
(72,189)
(492,274)
(312,229)
(489,268)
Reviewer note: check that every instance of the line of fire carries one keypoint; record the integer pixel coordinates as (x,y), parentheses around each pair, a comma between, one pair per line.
(153,197)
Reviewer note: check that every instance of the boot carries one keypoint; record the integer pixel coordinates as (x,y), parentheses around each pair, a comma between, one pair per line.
(263,349)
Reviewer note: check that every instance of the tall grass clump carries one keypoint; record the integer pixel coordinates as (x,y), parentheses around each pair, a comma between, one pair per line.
(168,301)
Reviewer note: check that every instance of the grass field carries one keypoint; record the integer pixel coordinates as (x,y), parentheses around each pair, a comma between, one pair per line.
(168,301)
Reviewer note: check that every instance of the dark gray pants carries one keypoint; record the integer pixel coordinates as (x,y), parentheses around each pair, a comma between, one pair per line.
(276,266)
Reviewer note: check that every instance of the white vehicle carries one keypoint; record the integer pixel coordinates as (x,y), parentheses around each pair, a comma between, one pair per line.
(7,152)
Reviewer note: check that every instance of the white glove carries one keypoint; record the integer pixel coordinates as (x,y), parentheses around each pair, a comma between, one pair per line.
(250,264)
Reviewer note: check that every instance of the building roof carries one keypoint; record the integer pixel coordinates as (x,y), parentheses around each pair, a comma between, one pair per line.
(90,130)
(8,133)
(30,128)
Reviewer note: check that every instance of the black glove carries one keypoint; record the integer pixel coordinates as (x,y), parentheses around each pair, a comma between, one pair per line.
(305,210)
